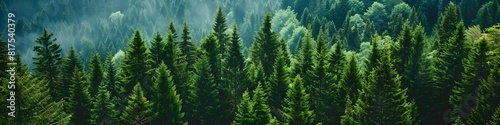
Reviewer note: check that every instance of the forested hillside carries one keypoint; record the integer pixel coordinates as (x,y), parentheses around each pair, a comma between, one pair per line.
(257,62)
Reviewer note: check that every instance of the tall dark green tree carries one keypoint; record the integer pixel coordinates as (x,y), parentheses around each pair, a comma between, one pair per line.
(139,110)
(260,107)
(110,76)
(47,61)
(4,58)
(448,24)
(349,116)
(351,80)
(79,99)
(220,28)
(96,74)
(70,63)
(337,61)
(205,100)
(296,108)
(245,114)
(133,66)
(279,81)
(264,47)
(402,53)
(234,69)
(168,103)
(382,100)
(156,49)
(188,49)
(305,58)
(103,110)
(323,85)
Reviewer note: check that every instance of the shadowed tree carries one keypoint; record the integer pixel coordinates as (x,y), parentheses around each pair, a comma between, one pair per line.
(47,62)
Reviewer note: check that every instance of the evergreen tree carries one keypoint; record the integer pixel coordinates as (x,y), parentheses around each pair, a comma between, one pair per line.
(260,107)
(188,49)
(139,110)
(448,24)
(264,46)
(133,66)
(110,76)
(496,117)
(235,71)
(337,61)
(402,53)
(168,103)
(279,81)
(349,117)
(220,28)
(305,58)
(35,105)
(47,62)
(382,100)
(351,80)
(96,73)
(245,114)
(476,70)
(70,63)
(415,63)
(205,99)
(4,58)
(322,83)
(297,104)
(103,110)
(80,100)
(156,49)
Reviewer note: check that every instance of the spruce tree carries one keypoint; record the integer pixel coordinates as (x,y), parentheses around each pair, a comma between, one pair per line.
(36,106)
(260,107)
(47,61)
(415,65)
(305,58)
(382,100)
(496,117)
(245,114)
(279,80)
(103,110)
(351,80)
(337,61)
(322,83)
(70,63)
(264,47)
(476,70)
(235,71)
(447,24)
(156,49)
(205,99)
(188,49)
(296,108)
(110,76)
(402,53)
(175,63)
(139,110)
(168,103)
(96,73)
(220,28)
(79,99)
(133,66)
(349,116)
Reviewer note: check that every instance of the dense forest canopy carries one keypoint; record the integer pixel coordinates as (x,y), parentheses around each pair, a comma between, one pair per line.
(293,62)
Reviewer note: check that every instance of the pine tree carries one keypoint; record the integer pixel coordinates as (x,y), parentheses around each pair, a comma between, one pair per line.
(188,49)
(96,73)
(305,58)
(279,81)
(235,71)
(264,47)
(110,76)
(322,83)
(70,63)
(103,110)
(349,117)
(168,103)
(297,104)
(476,70)
(139,110)
(80,101)
(448,24)
(205,99)
(382,101)
(220,28)
(496,117)
(245,114)
(134,67)
(351,80)
(415,64)
(35,105)
(175,63)
(337,61)
(156,49)
(402,53)
(260,107)
(47,61)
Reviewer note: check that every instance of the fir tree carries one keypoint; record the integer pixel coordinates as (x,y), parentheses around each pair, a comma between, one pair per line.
(156,49)
(337,61)
(103,110)
(110,76)
(47,62)
(205,99)
(279,81)
(80,101)
(305,58)
(70,63)
(402,54)
(297,104)
(264,47)
(351,80)
(245,114)
(139,110)
(382,100)
(96,73)
(220,28)
(235,71)
(168,102)
(349,117)
(188,49)
(448,24)
(260,107)
(134,67)
(496,117)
